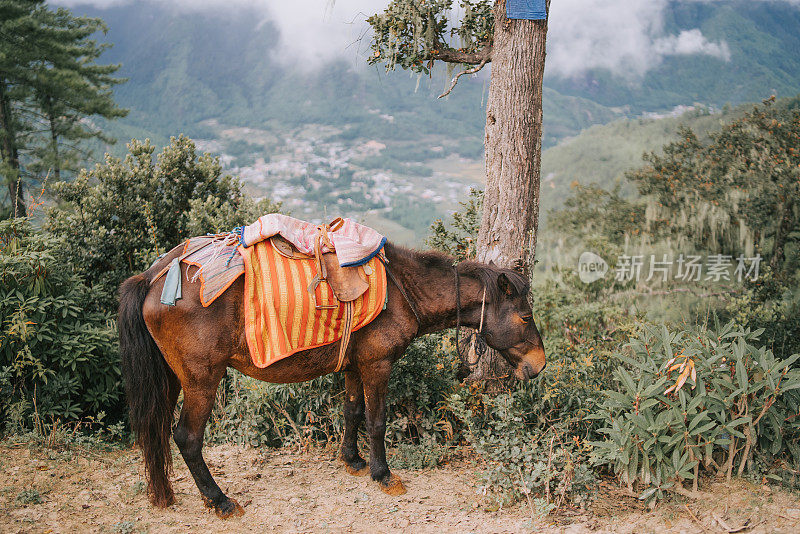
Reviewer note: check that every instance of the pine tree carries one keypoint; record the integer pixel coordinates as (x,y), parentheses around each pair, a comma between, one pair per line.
(17,27)
(50,84)
(413,34)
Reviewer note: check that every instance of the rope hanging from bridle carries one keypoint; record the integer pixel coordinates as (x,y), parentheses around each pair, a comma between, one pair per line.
(475,339)
(399,286)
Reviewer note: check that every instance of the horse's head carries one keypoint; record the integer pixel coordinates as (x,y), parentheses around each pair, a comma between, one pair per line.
(508,324)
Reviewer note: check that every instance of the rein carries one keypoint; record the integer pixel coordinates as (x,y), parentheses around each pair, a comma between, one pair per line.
(480,343)
(405,295)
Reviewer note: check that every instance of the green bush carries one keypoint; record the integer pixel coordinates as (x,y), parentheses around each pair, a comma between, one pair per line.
(520,458)
(424,455)
(257,414)
(772,305)
(58,352)
(119,216)
(420,384)
(696,400)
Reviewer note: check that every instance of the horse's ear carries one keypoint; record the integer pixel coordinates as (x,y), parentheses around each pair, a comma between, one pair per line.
(505,284)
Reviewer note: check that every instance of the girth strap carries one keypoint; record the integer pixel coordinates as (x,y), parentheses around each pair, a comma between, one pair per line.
(348,329)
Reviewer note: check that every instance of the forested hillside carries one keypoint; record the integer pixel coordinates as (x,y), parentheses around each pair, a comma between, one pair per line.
(187,67)
(602,154)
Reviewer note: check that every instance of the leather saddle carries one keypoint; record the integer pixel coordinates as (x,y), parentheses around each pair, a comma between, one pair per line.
(347,283)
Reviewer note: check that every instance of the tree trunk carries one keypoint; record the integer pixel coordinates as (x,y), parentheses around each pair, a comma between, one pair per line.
(8,149)
(54,140)
(513,155)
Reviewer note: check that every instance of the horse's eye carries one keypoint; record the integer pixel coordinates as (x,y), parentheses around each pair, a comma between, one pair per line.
(526,318)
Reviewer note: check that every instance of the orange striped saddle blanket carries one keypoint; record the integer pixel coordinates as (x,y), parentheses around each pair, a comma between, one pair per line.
(282,317)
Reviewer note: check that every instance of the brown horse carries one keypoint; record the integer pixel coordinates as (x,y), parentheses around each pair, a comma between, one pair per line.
(168,348)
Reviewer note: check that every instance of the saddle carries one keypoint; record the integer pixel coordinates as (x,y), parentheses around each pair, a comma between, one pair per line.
(347,283)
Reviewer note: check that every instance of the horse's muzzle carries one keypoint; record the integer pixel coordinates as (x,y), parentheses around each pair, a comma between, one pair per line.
(525,371)
(531,364)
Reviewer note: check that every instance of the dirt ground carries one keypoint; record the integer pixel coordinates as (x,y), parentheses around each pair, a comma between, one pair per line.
(46,490)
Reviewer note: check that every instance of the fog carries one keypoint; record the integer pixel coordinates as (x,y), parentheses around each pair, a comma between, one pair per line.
(626,37)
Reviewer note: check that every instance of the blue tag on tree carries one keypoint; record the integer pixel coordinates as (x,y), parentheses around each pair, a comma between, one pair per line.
(526,9)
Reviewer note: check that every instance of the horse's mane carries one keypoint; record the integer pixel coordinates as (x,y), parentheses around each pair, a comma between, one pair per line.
(487,275)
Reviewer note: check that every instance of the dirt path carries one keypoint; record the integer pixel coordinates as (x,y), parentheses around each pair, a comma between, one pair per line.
(42,490)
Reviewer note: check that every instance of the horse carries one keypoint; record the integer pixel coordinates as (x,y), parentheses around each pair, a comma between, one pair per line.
(166,349)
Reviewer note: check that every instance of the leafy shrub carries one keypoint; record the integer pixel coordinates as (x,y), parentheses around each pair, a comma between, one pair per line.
(119,216)
(729,397)
(58,352)
(521,458)
(420,384)
(459,239)
(771,304)
(424,455)
(258,413)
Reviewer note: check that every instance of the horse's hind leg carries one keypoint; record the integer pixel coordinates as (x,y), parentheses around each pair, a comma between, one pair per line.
(197,405)
(353,417)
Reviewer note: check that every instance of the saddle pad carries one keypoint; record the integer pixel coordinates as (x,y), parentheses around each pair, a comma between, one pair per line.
(280,313)
(219,264)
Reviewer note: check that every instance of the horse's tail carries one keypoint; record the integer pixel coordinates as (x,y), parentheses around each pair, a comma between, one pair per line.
(148,384)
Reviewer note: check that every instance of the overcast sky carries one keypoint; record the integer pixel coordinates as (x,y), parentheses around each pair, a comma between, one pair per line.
(624,36)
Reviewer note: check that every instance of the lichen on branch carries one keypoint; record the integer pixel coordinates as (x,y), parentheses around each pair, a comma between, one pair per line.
(413,34)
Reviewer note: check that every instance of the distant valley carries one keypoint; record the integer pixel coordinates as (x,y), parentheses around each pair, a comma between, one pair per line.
(382,147)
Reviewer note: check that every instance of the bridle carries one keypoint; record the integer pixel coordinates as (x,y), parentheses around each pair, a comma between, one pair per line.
(480,343)
(476,335)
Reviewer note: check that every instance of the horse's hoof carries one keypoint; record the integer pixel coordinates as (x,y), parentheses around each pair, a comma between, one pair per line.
(229,509)
(393,487)
(355,471)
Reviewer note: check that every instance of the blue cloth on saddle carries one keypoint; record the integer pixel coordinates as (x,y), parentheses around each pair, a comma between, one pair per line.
(172,284)
(218,264)
(526,9)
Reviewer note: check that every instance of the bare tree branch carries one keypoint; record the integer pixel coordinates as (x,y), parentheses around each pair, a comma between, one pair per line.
(454,81)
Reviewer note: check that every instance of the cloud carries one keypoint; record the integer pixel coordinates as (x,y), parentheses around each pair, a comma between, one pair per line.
(312,31)
(316,31)
(626,37)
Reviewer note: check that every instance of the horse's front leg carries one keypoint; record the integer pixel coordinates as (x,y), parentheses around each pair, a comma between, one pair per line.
(353,417)
(376,382)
